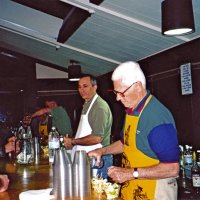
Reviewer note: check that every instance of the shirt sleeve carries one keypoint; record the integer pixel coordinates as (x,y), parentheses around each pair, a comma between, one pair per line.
(164,142)
(61,120)
(99,120)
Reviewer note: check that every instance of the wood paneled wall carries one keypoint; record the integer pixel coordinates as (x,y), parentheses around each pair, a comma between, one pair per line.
(163,75)
(163,79)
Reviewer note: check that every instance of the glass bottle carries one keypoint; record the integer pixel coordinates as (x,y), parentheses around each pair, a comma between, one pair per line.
(181,160)
(62,145)
(26,154)
(195,172)
(198,157)
(182,178)
(28,132)
(187,156)
(54,143)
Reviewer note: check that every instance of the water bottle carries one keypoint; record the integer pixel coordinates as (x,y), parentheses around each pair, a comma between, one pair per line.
(54,143)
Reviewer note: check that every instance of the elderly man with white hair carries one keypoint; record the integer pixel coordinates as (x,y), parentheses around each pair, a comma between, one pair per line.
(149,144)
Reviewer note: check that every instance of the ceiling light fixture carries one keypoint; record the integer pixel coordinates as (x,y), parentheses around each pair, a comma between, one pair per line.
(177,17)
(74,71)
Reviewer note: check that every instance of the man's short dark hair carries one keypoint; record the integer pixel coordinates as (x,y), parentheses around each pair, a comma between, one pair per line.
(51,99)
(92,78)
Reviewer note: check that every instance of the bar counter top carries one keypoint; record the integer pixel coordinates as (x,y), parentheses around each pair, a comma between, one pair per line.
(40,176)
(29,177)
(26,177)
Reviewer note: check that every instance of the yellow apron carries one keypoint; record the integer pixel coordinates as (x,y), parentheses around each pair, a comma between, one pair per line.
(43,130)
(132,157)
(163,189)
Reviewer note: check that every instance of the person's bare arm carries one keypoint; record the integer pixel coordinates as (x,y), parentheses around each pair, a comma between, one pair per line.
(40,112)
(87,140)
(84,141)
(12,145)
(4,182)
(159,171)
(114,148)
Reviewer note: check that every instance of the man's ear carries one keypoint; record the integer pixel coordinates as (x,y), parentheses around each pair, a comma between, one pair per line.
(95,86)
(139,85)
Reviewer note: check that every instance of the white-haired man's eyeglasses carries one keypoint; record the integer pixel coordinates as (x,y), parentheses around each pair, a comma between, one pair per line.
(122,94)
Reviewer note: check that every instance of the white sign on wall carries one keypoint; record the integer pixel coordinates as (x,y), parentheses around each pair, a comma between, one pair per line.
(45,72)
(186,79)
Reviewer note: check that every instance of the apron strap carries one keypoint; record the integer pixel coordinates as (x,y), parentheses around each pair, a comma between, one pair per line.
(93,100)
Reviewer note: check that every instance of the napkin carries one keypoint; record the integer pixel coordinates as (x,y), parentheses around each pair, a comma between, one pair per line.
(43,194)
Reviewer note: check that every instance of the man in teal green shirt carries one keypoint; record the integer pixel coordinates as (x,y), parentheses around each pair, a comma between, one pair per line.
(60,118)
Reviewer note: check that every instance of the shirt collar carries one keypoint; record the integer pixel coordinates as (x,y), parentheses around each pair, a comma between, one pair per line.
(88,102)
(139,107)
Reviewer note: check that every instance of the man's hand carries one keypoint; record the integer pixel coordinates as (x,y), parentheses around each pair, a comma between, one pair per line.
(119,174)
(97,153)
(10,146)
(68,142)
(4,182)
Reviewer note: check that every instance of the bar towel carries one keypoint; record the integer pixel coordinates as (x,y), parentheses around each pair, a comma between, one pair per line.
(43,194)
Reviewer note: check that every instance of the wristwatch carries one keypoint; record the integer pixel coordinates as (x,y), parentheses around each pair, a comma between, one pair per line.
(135,173)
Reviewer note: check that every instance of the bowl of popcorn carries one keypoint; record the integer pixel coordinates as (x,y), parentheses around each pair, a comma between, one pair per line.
(100,186)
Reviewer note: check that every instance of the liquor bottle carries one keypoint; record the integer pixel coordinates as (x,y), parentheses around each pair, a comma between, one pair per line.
(182,178)
(198,157)
(195,172)
(54,143)
(181,160)
(187,156)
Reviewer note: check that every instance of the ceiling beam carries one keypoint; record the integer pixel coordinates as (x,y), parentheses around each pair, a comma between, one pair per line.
(72,16)
(73,20)
(53,7)
(71,23)
(91,6)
